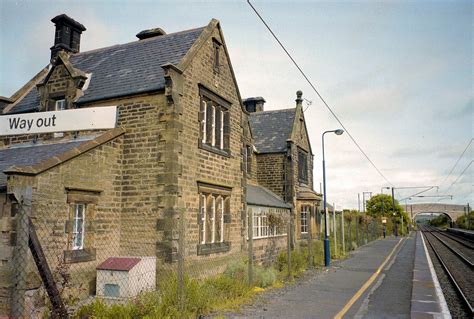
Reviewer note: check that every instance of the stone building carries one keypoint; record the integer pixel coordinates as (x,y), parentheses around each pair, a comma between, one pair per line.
(284,161)
(171,177)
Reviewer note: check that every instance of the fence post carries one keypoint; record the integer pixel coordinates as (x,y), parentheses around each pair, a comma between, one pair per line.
(288,249)
(310,238)
(334,226)
(349,235)
(181,254)
(367,232)
(23,197)
(357,230)
(250,246)
(342,232)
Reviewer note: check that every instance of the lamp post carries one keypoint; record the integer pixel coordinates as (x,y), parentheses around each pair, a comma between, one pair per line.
(327,253)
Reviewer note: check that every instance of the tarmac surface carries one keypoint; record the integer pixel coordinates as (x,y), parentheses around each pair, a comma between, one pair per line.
(323,294)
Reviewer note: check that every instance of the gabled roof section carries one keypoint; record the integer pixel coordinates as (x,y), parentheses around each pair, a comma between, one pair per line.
(271,129)
(260,196)
(27,97)
(124,69)
(32,159)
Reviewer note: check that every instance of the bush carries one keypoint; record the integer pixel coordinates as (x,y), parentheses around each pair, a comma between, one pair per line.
(262,277)
(299,261)
(466,223)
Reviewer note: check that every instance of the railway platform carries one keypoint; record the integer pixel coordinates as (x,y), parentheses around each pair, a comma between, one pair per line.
(388,278)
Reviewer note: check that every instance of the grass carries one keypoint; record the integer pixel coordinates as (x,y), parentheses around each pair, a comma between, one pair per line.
(225,292)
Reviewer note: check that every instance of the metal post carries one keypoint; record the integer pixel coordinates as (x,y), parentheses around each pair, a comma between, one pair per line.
(327,253)
(250,246)
(468,216)
(288,251)
(23,197)
(357,229)
(342,232)
(393,210)
(334,226)
(358,202)
(310,238)
(363,202)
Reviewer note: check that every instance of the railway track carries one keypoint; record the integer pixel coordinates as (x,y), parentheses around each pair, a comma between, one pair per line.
(456,257)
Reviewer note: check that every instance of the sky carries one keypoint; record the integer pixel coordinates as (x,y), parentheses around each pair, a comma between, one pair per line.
(398,74)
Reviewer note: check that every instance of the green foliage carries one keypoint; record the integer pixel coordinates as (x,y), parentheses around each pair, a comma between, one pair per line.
(440,221)
(200,297)
(262,277)
(382,205)
(300,259)
(466,222)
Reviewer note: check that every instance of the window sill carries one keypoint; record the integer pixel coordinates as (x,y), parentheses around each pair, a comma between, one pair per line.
(268,237)
(207,249)
(212,149)
(80,255)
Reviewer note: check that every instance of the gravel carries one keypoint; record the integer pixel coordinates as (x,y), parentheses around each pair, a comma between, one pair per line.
(458,269)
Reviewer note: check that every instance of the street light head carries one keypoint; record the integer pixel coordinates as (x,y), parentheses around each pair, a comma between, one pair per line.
(339,132)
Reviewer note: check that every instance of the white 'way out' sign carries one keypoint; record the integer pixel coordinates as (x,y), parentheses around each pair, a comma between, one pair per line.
(93,118)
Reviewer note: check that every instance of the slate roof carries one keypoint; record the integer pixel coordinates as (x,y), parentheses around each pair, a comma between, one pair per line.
(31,154)
(124,69)
(119,263)
(258,195)
(271,129)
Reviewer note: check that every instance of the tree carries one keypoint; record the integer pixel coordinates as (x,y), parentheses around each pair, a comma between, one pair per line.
(382,205)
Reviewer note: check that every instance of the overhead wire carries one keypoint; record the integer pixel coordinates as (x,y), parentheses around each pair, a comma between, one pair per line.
(318,94)
(460,175)
(455,164)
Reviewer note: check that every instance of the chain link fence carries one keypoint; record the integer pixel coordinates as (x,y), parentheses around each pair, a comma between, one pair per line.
(82,280)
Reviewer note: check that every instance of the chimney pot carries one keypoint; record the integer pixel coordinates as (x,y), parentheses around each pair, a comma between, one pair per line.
(67,36)
(254,104)
(150,33)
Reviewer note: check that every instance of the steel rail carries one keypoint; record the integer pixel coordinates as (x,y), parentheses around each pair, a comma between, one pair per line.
(456,252)
(457,238)
(450,276)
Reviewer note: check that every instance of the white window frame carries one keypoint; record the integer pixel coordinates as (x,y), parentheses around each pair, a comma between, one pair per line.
(305,211)
(213,219)
(215,216)
(221,146)
(222,220)
(78,221)
(261,229)
(203,217)
(213,125)
(60,105)
(204,129)
(210,123)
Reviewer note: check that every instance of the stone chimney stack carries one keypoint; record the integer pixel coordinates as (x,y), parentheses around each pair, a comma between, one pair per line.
(299,98)
(254,104)
(67,36)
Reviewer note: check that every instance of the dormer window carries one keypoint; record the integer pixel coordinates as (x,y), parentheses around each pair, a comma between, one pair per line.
(60,105)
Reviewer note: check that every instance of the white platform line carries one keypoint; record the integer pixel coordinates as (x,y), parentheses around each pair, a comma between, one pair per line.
(439,293)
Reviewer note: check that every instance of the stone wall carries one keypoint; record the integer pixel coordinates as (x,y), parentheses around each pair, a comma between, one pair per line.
(93,178)
(271,172)
(201,165)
